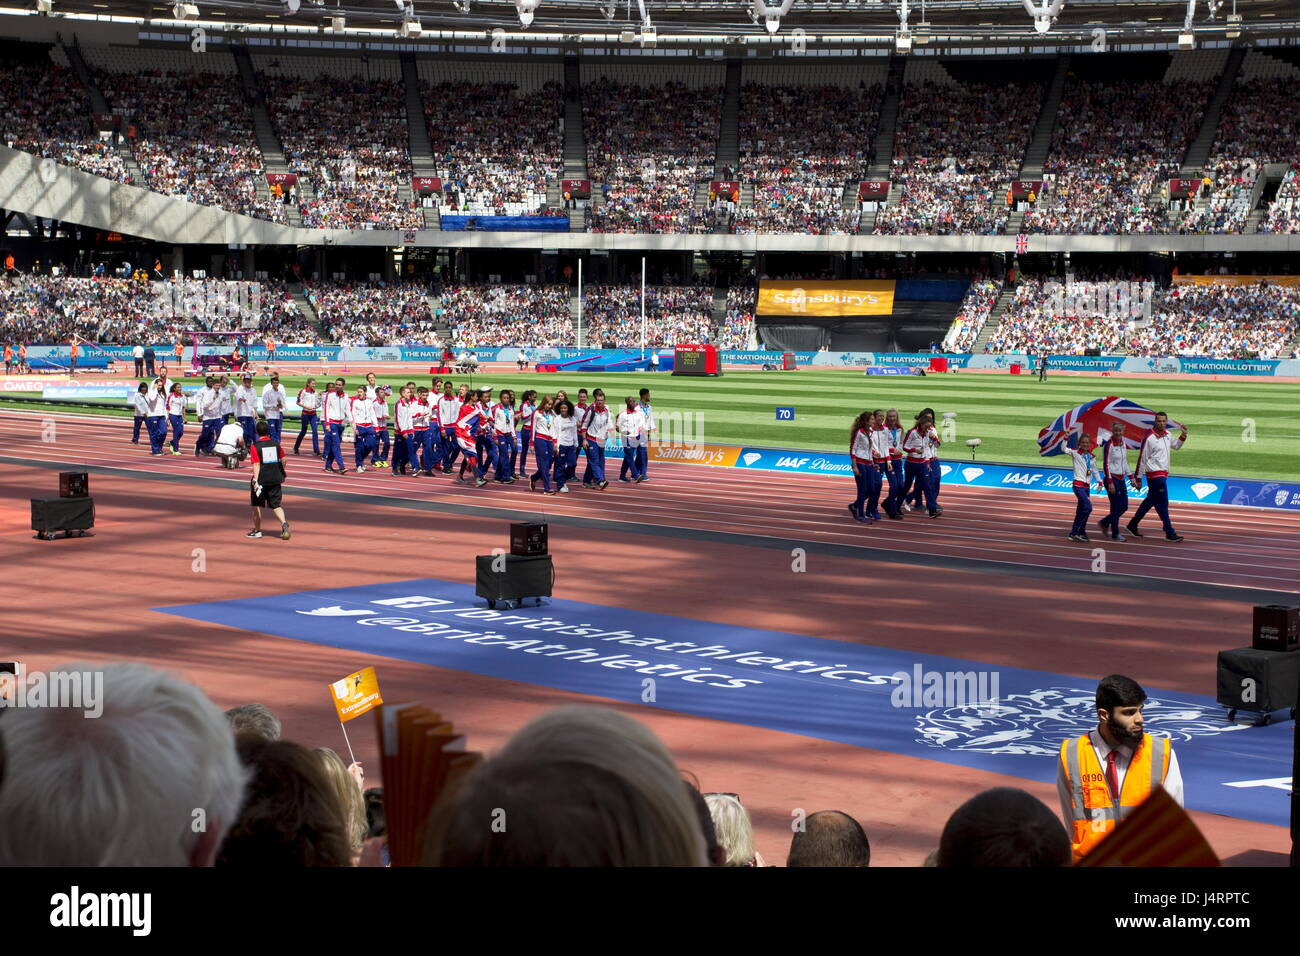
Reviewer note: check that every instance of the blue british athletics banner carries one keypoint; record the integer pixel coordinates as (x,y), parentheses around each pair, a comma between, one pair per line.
(888,370)
(957,711)
(1261,494)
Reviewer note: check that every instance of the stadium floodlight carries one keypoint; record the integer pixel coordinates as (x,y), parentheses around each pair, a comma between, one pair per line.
(337,24)
(185,11)
(1187,40)
(903,42)
(1044,15)
(771,15)
(922,33)
(44,6)
(526,9)
(410,29)
(1234,27)
(627,36)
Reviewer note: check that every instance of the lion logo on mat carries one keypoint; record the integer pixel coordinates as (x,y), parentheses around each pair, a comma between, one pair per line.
(1035,723)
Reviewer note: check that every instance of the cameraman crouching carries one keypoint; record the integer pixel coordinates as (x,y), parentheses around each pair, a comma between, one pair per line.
(230,445)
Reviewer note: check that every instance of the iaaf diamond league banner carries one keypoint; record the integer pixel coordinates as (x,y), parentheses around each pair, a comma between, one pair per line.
(1191,490)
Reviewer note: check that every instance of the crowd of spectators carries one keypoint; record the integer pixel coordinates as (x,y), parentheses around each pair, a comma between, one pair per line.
(1284,214)
(975,308)
(193,138)
(1258,126)
(1222,320)
(41,309)
(361,313)
(1037,321)
(347,140)
(1114,143)
(738,333)
(800,146)
(499,315)
(582,786)
(496,147)
(956,150)
(45,110)
(673,315)
(648,150)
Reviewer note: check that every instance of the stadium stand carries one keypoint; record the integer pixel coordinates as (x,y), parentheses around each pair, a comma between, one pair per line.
(956,150)
(652,134)
(1116,140)
(804,135)
(490,315)
(356,313)
(193,129)
(975,308)
(673,314)
(495,131)
(45,110)
(1220,319)
(343,125)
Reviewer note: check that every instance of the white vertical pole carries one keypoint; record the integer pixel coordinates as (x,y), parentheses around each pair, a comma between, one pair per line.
(578,341)
(643,306)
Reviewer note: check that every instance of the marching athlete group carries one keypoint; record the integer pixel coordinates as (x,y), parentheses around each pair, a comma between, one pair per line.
(882,452)
(423,433)
(1114,477)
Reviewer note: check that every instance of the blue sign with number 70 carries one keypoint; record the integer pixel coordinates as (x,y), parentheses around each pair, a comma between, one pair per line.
(785,414)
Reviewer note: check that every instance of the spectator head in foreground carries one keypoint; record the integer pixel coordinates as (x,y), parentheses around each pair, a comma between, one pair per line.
(713,850)
(255,719)
(578,786)
(293,815)
(830,838)
(1004,827)
(349,795)
(121,789)
(735,834)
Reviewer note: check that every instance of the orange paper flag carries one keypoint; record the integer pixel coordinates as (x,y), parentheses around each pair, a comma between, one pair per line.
(356,694)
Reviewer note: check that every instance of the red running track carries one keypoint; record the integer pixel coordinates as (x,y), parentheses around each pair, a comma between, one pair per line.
(1004,529)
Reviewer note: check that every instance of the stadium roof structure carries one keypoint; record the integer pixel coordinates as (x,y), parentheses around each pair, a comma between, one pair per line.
(738,23)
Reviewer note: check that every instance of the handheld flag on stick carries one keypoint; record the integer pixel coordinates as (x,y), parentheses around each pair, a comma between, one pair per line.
(1095,418)
(1157,833)
(355,695)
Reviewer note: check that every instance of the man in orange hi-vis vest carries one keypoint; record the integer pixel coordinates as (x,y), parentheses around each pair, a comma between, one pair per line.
(1103,775)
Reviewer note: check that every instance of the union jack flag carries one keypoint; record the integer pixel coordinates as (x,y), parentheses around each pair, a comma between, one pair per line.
(1095,418)
(1022,244)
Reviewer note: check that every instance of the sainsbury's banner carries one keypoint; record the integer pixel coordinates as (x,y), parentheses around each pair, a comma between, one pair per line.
(1237,280)
(826,298)
(720,456)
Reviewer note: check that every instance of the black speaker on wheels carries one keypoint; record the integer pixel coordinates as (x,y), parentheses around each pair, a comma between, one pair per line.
(52,515)
(1276,627)
(528,537)
(513,577)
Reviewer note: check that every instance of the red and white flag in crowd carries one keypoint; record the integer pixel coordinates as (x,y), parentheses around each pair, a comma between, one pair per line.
(1022,244)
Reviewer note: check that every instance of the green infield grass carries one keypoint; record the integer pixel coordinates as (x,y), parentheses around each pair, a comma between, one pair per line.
(1247,427)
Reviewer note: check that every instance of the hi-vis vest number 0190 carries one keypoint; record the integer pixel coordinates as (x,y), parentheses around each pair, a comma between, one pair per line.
(1094,813)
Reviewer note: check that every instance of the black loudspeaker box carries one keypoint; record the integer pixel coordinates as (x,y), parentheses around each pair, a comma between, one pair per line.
(519,578)
(1276,628)
(51,515)
(74,484)
(528,538)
